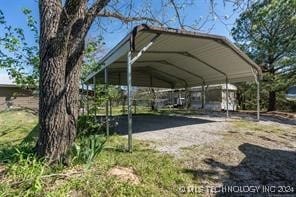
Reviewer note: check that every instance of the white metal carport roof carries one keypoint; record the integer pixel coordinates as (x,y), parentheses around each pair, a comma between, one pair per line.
(170,58)
(175,59)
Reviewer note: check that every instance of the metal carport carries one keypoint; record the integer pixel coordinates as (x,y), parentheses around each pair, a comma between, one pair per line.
(170,58)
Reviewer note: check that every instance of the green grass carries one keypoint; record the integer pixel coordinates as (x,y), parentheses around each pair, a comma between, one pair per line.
(117,110)
(142,110)
(160,174)
(21,174)
(16,125)
(257,127)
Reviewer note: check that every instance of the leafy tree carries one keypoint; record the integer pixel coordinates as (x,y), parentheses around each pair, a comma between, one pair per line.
(266,31)
(17,56)
(64,26)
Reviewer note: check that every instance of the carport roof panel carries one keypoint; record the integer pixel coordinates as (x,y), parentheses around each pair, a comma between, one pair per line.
(176,59)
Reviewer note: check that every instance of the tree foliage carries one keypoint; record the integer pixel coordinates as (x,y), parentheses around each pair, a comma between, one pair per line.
(92,54)
(267,32)
(19,57)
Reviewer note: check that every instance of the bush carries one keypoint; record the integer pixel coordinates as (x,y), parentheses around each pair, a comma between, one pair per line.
(89,126)
(85,149)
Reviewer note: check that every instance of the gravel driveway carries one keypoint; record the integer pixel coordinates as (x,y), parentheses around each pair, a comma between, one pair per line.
(170,133)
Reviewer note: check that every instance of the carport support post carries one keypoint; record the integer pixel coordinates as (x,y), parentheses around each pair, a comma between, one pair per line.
(82,98)
(110,103)
(107,104)
(130,61)
(87,104)
(95,104)
(129,86)
(203,96)
(227,98)
(258,98)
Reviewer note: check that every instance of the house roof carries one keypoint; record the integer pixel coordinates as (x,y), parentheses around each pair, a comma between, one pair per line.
(176,59)
(8,86)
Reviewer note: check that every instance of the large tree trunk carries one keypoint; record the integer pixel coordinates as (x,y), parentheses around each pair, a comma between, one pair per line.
(59,100)
(58,111)
(62,35)
(272,101)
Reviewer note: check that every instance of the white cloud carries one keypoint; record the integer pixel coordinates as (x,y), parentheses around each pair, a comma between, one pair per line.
(4,78)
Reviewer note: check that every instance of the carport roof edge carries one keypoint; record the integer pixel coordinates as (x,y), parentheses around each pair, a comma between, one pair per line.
(130,37)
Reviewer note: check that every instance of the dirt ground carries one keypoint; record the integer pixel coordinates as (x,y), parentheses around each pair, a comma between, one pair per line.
(226,152)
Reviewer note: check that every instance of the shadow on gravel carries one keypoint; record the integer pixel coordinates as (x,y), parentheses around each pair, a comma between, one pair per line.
(143,123)
(272,169)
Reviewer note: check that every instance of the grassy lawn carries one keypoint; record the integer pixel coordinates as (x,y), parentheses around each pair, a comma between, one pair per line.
(117,110)
(21,174)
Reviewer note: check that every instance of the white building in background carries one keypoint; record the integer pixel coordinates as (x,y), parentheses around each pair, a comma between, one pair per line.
(215,97)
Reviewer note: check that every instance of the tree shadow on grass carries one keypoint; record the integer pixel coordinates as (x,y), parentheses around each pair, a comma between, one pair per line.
(8,152)
(263,167)
(32,136)
(8,130)
(21,109)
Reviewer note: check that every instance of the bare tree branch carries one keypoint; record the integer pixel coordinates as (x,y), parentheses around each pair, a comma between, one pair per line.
(88,19)
(177,13)
(92,14)
(128,19)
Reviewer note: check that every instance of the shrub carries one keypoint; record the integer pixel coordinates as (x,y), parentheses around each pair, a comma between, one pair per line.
(85,149)
(89,126)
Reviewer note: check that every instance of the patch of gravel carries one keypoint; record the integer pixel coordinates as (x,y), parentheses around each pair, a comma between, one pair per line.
(172,133)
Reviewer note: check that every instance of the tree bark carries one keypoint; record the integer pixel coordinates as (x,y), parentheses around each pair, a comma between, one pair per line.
(272,101)
(59,100)
(271,93)
(62,38)
(58,112)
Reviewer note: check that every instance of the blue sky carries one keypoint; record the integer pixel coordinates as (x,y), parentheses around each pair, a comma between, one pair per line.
(12,10)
